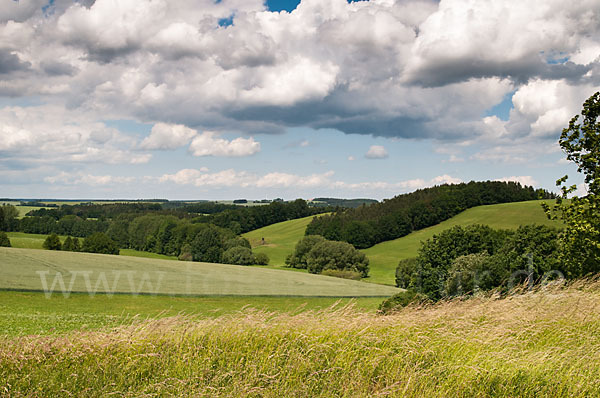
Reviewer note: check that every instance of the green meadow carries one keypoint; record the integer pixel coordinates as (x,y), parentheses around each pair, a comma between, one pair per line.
(279,239)
(58,271)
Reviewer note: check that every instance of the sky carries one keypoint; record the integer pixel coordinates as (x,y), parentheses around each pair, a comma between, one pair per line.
(205,99)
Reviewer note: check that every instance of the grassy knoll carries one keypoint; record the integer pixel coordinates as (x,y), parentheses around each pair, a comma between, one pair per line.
(25,313)
(384,256)
(280,239)
(82,272)
(541,344)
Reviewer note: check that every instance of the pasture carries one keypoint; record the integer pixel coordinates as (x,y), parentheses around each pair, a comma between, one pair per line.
(542,343)
(58,271)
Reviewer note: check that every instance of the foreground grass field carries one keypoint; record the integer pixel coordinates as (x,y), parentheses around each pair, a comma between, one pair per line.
(25,313)
(384,257)
(540,344)
(42,270)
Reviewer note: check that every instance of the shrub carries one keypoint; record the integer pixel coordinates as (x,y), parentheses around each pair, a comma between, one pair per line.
(186,253)
(261,259)
(405,271)
(100,243)
(338,256)
(52,242)
(401,300)
(346,274)
(238,255)
(473,272)
(235,242)
(4,241)
(298,259)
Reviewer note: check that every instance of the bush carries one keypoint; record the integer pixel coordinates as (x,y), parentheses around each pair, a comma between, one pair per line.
(186,253)
(71,244)
(4,241)
(235,242)
(298,259)
(261,259)
(100,243)
(346,274)
(474,272)
(52,242)
(405,271)
(401,300)
(337,256)
(238,255)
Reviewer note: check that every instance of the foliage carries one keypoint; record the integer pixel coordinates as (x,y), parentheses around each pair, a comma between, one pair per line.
(261,259)
(474,272)
(401,300)
(8,218)
(52,242)
(207,246)
(343,273)
(238,255)
(235,242)
(4,240)
(337,256)
(462,260)
(367,225)
(100,243)
(71,244)
(404,272)
(299,258)
(580,241)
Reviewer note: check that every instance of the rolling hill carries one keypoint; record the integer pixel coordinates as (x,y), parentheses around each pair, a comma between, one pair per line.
(43,270)
(281,238)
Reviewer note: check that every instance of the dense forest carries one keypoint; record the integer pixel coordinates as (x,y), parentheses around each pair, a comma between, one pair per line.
(393,218)
(201,231)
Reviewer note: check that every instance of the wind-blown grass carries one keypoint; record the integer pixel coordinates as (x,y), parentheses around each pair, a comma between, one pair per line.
(539,344)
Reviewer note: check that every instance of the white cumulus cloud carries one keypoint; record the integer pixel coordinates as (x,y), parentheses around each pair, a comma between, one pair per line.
(377,152)
(209,144)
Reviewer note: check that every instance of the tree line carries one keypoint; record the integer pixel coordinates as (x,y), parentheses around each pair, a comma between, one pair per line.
(393,218)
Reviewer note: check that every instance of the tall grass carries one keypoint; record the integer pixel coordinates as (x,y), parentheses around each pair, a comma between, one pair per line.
(542,343)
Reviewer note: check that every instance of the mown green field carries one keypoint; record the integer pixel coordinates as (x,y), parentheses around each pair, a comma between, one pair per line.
(539,344)
(280,239)
(384,257)
(26,313)
(58,271)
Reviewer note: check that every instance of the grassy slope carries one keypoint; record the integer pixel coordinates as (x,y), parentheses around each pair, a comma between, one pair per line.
(384,257)
(24,313)
(21,268)
(280,239)
(544,344)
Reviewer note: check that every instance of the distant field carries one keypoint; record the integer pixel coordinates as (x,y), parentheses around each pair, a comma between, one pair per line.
(32,269)
(23,313)
(280,239)
(384,256)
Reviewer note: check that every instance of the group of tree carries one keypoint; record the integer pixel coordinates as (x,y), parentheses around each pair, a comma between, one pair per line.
(53,242)
(9,218)
(4,240)
(368,225)
(462,261)
(321,256)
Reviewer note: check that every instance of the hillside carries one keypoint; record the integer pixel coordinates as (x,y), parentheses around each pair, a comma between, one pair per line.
(281,238)
(384,256)
(29,269)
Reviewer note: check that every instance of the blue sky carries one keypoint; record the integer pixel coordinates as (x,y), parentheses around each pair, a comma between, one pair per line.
(245,99)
